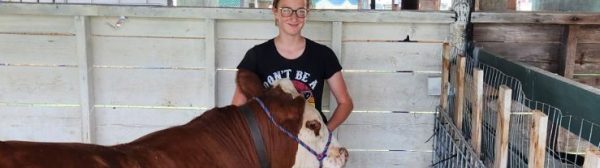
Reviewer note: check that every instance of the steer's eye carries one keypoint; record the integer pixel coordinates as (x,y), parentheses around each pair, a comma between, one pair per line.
(314,125)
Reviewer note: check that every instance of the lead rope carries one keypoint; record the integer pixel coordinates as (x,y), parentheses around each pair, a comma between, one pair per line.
(320,156)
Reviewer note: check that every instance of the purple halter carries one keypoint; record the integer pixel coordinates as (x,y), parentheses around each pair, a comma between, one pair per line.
(320,156)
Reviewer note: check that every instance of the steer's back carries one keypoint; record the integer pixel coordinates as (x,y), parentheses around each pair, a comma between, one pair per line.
(64,155)
(215,139)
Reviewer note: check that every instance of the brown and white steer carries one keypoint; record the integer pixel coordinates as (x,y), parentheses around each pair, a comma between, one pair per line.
(219,137)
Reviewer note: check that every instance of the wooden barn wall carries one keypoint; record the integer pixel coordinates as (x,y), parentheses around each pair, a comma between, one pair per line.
(537,45)
(587,57)
(69,74)
(561,43)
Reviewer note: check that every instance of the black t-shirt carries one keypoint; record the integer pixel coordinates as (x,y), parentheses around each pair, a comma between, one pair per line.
(308,72)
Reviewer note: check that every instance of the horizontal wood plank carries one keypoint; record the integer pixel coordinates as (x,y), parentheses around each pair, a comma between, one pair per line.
(45,24)
(395,31)
(253,29)
(392,56)
(589,34)
(587,59)
(535,17)
(593,81)
(122,125)
(402,159)
(150,87)
(148,27)
(48,124)
(230,52)
(390,91)
(263,30)
(570,142)
(226,83)
(541,55)
(387,131)
(517,33)
(39,85)
(37,49)
(148,52)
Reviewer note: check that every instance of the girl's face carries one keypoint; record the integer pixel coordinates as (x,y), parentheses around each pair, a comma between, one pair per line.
(290,16)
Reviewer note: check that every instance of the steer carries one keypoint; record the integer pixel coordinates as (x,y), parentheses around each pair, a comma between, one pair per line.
(219,137)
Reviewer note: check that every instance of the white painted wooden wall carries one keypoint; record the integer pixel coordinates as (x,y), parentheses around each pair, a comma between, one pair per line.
(66,74)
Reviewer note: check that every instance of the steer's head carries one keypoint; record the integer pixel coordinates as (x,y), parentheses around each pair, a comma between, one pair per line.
(316,135)
(296,115)
(282,100)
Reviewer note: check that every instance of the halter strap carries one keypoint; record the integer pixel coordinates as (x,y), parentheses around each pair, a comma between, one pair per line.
(320,156)
(259,145)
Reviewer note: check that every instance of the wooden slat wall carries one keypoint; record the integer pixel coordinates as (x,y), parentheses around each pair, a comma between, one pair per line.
(374,47)
(156,71)
(537,45)
(146,62)
(42,70)
(562,43)
(587,60)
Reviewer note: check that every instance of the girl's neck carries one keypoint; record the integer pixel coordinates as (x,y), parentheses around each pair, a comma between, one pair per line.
(290,47)
(289,41)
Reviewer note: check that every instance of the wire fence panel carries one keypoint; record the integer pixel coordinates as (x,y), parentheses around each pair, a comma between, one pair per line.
(450,149)
(568,137)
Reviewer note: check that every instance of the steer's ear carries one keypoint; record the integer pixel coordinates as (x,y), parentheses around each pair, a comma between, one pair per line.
(249,83)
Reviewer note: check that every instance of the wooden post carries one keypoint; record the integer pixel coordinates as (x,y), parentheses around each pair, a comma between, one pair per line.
(477,106)
(502,127)
(210,56)
(460,92)
(511,5)
(569,51)
(445,75)
(477,5)
(537,139)
(336,38)
(337,29)
(86,79)
(592,159)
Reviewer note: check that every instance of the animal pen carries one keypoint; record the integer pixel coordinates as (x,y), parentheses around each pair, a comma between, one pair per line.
(494,124)
(109,74)
(495,112)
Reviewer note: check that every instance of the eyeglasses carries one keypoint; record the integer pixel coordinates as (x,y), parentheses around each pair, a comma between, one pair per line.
(287,12)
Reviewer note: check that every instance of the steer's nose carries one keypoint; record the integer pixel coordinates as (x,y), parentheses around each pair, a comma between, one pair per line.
(344,152)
